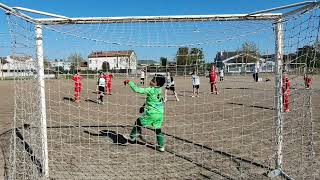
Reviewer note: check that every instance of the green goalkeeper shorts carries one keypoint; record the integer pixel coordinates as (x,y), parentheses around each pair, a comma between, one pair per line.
(152,120)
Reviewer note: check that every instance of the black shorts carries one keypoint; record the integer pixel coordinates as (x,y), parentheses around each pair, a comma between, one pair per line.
(101,89)
(170,88)
(142,79)
(196,86)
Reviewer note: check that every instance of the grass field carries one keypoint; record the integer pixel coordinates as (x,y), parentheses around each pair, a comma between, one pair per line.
(227,136)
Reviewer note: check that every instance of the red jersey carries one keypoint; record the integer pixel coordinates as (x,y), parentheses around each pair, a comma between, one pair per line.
(108,78)
(307,80)
(77,80)
(213,75)
(286,84)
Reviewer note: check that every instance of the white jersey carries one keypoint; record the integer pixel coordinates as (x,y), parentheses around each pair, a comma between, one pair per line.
(221,73)
(101,82)
(195,80)
(255,69)
(169,81)
(142,74)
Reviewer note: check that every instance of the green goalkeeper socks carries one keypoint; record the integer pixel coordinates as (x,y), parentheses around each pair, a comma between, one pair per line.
(160,138)
(136,130)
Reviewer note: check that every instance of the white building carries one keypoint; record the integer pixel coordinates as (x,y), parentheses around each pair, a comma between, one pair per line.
(113,60)
(65,65)
(18,63)
(12,66)
(238,62)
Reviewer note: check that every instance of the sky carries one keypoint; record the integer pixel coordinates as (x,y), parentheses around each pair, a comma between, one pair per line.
(105,8)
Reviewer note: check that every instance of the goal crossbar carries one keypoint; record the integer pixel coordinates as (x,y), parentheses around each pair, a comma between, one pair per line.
(59,19)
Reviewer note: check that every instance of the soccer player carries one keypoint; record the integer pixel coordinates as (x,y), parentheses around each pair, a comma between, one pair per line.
(142,76)
(221,74)
(101,83)
(255,72)
(170,86)
(286,84)
(77,87)
(307,81)
(153,110)
(108,78)
(195,83)
(213,79)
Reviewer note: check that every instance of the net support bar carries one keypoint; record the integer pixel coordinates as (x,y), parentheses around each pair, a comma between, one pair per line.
(283,7)
(301,9)
(19,14)
(42,101)
(40,12)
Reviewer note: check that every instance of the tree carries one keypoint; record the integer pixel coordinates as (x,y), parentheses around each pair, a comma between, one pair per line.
(308,55)
(163,61)
(249,48)
(182,56)
(196,56)
(46,63)
(75,60)
(105,66)
(186,57)
(250,53)
(59,69)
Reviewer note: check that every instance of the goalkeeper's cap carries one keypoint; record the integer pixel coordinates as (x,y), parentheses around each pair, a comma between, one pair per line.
(159,79)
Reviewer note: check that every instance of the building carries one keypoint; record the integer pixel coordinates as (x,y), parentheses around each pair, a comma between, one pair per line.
(113,60)
(59,63)
(148,63)
(83,66)
(18,63)
(11,66)
(241,62)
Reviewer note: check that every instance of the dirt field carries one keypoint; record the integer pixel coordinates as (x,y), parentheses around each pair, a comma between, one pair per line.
(227,136)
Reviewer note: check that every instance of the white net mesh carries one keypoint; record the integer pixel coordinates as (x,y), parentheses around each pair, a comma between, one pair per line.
(226,136)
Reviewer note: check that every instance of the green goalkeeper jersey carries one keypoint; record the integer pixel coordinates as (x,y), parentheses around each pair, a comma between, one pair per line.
(154,109)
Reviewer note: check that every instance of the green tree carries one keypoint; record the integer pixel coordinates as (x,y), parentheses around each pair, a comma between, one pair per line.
(59,69)
(163,61)
(196,56)
(186,57)
(105,66)
(182,56)
(308,55)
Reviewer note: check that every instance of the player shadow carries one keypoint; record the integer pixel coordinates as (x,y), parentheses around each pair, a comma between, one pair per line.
(184,91)
(68,99)
(90,100)
(255,106)
(116,138)
(238,88)
(119,139)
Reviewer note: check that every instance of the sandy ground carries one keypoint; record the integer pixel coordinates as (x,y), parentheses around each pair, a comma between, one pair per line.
(227,136)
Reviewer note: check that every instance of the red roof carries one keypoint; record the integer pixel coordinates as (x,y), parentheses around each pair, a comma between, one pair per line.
(110,54)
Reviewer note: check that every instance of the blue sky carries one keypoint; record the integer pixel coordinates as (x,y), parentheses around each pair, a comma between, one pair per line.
(96,8)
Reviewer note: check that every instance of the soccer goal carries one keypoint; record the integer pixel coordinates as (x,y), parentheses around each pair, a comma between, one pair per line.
(252,118)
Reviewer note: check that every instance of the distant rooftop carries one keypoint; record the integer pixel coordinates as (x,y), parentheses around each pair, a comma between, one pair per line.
(97,54)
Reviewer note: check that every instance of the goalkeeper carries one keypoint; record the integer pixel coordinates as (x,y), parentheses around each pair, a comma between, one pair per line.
(153,110)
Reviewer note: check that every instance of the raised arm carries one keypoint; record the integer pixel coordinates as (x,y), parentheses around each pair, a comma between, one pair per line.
(137,89)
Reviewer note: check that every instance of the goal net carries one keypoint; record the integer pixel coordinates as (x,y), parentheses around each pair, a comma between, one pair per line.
(251,127)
